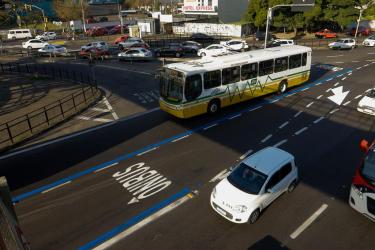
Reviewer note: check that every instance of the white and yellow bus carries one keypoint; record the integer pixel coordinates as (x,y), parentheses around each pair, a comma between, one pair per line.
(204,86)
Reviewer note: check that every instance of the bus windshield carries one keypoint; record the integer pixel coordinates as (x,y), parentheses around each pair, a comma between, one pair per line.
(368,170)
(171,85)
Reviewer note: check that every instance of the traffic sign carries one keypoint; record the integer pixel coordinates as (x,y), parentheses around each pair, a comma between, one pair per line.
(300,7)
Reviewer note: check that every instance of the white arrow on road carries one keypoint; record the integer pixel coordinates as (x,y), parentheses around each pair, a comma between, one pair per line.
(338,96)
(134,200)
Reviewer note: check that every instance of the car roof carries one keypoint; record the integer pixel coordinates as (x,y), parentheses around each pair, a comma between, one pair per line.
(268,160)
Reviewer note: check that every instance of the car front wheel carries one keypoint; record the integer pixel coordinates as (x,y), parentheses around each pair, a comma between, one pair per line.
(254,216)
(203,54)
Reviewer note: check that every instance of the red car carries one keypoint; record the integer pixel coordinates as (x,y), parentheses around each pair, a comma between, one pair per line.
(121,39)
(97,31)
(94,53)
(326,33)
(362,31)
(117,29)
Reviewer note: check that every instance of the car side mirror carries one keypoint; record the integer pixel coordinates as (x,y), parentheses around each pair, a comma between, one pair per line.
(231,168)
(270,191)
(364,145)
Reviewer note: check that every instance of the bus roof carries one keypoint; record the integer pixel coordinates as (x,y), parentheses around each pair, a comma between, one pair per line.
(212,63)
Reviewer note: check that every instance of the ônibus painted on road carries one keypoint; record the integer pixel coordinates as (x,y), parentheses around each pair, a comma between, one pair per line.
(362,191)
(191,88)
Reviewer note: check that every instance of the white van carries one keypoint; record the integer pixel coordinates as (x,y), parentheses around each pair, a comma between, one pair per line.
(19,34)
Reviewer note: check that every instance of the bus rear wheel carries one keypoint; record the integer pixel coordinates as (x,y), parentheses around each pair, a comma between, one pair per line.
(283,86)
(213,106)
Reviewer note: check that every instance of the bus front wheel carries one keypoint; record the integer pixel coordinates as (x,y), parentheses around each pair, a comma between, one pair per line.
(283,86)
(213,106)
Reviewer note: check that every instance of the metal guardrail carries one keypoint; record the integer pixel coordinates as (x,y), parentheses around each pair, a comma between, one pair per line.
(27,126)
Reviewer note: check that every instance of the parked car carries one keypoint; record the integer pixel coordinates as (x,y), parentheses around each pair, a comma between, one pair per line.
(129,42)
(346,43)
(254,184)
(326,33)
(191,46)
(261,35)
(53,49)
(200,37)
(236,45)
(370,41)
(19,34)
(367,103)
(46,36)
(34,44)
(173,49)
(97,31)
(138,45)
(135,54)
(97,44)
(122,38)
(117,30)
(280,42)
(362,31)
(94,53)
(213,50)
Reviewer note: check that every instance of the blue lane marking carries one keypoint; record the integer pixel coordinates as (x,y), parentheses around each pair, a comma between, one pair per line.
(168,140)
(134,220)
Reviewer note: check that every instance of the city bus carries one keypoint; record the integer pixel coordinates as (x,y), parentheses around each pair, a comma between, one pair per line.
(203,86)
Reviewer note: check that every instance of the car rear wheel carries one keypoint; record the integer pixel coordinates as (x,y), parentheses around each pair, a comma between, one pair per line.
(213,107)
(254,216)
(292,186)
(29,48)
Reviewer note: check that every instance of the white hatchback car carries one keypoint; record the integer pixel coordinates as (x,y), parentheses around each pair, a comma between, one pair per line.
(367,103)
(237,45)
(46,36)
(254,184)
(369,41)
(346,43)
(213,50)
(34,44)
(98,45)
(135,54)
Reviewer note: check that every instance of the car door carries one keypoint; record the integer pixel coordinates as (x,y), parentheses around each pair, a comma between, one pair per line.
(268,197)
(285,177)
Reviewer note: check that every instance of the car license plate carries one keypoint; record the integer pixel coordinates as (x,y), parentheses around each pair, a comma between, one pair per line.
(221,211)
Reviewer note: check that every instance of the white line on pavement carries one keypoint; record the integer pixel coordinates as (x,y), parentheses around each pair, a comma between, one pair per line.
(304,89)
(111,242)
(220,176)
(371,53)
(343,78)
(334,110)
(308,222)
(370,60)
(358,96)
(308,105)
(246,154)
(318,120)
(336,55)
(179,139)
(291,94)
(255,108)
(211,126)
(330,79)
(319,97)
(355,61)
(366,65)
(101,169)
(301,130)
(280,143)
(106,102)
(337,83)
(349,74)
(266,138)
(55,187)
(101,110)
(318,83)
(235,116)
(276,100)
(147,151)
(339,62)
(283,125)
(102,120)
(298,113)
(346,103)
(328,90)
(359,68)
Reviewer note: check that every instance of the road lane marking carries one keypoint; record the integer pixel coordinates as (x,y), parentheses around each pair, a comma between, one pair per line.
(246,154)
(55,187)
(276,100)
(298,113)
(328,90)
(266,138)
(329,79)
(147,151)
(318,120)
(235,116)
(280,143)
(337,83)
(255,108)
(343,78)
(358,96)
(106,102)
(366,65)
(359,68)
(308,105)
(339,75)
(319,97)
(101,169)
(181,138)
(308,222)
(211,126)
(283,125)
(339,62)
(318,83)
(334,110)
(108,239)
(304,89)
(350,73)
(101,110)
(370,60)
(220,176)
(346,103)
(336,56)
(88,118)
(371,53)
(300,131)
(355,61)
(291,94)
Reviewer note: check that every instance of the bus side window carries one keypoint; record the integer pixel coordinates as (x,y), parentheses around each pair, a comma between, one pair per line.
(193,87)
(249,71)
(212,79)
(295,61)
(281,64)
(265,67)
(304,59)
(231,75)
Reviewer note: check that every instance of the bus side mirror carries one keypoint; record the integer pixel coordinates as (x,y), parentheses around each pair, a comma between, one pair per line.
(364,145)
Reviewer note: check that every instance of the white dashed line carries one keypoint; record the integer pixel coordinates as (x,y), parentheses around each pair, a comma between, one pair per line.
(304,89)
(266,138)
(235,116)
(283,125)
(343,78)
(366,65)
(358,96)
(147,151)
(319,97)
(179,139)
(371,53)
(220,176)
(355,61)
(246,154)
(255,108)
(318,83)
(339,75)
(337,83)
(301,130)
(328,90)
(330,79)
(335,56)
(100,110)
(210,126)
(339,62)
(308,105)
(370,60)
(350,73)
(359,68)
(333,111)
(298,113)
(280,143)
(276,100)
(318,120)
(291,94)
(308,222)
(101,169)
(346,103)
(55,187)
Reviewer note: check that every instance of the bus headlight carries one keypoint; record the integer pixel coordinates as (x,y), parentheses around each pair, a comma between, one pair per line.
(240,208)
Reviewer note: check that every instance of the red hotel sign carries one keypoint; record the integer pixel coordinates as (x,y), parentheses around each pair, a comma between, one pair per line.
(197,8)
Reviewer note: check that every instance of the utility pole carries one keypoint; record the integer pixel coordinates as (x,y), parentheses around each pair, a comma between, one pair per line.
(83,17)
(361,9)
(120,16)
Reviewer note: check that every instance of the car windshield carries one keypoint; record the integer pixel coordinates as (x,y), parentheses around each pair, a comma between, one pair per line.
(247,179)
(368,170)
(340,41)
(171,85)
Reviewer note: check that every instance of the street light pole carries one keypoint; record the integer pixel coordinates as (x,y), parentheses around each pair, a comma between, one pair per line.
(120,17)
(83,17)
(358,21)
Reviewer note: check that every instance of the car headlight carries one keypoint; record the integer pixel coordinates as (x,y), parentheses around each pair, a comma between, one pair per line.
(358,191)
(240,208)
(214,193)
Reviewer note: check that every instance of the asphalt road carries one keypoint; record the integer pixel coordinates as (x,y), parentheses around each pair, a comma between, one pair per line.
(74,193)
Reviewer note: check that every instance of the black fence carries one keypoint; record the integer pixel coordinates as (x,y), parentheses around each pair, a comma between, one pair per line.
(26,126)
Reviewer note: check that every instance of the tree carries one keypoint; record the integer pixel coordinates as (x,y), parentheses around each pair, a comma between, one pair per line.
(68,9)
(256,13)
